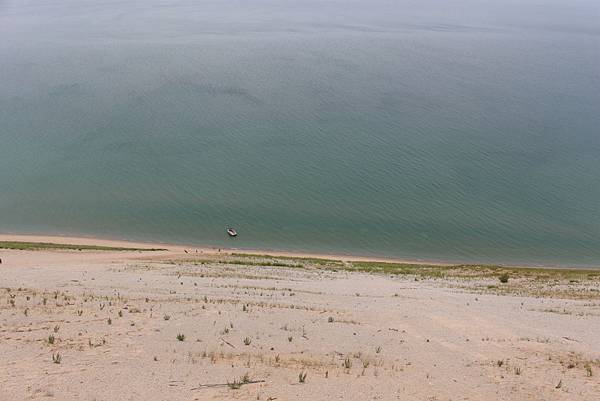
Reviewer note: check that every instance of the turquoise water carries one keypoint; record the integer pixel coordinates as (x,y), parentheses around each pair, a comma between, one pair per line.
(462,131)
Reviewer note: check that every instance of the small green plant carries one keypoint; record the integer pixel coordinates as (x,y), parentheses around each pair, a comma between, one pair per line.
(290,338)
(500,362)
(166,317)
(302,377)
(234,385)
(56,328)
(51,339)
(237,383)
(518,370)
(347,363)
(330,319)
(247,341)
(109,321)
(120,313)
(588,370)
(244,308)
(56,358)
(180,337)
(503,278)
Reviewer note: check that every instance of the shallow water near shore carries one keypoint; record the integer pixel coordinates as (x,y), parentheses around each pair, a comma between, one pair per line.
(403,129)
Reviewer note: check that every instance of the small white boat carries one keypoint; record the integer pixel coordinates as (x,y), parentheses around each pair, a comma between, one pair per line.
(231,232)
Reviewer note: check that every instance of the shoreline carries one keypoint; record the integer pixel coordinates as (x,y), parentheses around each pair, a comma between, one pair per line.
(181,248)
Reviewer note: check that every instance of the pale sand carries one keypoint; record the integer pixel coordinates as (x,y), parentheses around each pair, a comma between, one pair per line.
(191,247)
(432,339)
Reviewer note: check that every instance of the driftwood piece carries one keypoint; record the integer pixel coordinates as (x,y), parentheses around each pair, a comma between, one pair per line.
(201,386)
(226,342)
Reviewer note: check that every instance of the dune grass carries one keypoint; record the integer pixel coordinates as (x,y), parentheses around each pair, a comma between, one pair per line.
(423,270)
(304,259)
(477,271)
(36,246)
(564,283)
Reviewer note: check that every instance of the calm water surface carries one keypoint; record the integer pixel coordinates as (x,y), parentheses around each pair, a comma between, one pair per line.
(465,130)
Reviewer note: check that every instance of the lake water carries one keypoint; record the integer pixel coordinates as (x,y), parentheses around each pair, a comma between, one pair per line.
(463,131)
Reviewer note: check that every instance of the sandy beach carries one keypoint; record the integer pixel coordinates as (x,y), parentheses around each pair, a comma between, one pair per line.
(188,323)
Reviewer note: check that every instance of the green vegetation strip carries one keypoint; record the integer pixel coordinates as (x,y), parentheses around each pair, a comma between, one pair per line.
(35,246)
(475,271)
(312,261)
(416,269)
